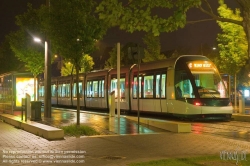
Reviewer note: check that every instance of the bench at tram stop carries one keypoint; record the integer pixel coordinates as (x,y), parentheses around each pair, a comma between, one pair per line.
(173,126)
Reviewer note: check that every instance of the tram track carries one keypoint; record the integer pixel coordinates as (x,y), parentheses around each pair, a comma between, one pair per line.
(233,129)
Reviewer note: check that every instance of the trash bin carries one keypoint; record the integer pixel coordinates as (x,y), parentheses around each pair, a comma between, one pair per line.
(36,110)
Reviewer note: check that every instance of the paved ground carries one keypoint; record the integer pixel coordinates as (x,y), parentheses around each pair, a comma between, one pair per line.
(108,150)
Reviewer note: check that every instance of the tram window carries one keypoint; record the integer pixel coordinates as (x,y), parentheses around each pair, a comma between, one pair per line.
(183,86)
(148,86)
(122,89)
(74,90)
(53,90)
(209,85)
(113,87)
(80,90)
(160,86)
(135,87)
(163,86)
(41,91)
(101,88)
(63,88)
(60,90)
(89,89)
(95,88)
(67,90)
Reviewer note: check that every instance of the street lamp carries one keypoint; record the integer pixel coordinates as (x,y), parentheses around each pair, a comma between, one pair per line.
(47,80)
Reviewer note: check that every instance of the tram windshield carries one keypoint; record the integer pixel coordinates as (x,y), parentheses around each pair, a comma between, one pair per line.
(205,79)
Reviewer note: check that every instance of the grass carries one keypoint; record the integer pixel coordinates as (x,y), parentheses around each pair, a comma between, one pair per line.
(82,130)
(194,161)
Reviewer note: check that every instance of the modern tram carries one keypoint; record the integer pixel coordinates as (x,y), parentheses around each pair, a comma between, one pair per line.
(188,86)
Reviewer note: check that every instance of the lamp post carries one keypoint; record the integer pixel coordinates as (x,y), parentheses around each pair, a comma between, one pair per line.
(47,80)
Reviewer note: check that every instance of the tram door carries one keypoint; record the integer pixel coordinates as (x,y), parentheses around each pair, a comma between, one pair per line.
(152,92)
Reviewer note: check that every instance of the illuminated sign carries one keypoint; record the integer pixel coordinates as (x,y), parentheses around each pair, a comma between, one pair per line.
(23,86)
(199,64)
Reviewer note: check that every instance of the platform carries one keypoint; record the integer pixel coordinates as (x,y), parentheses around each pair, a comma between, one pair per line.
(173,126)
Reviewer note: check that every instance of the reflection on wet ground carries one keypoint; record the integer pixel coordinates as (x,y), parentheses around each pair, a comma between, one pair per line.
(100,121)
(232,129)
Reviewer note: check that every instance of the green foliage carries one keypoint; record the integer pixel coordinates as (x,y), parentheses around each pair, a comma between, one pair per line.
(153,48)
(124,57)
(193,161)
(232,42)
(28,52)
(112,61)
(87,64)
(8,60)
(22,44)
(142,15)
(74,28)
(67,69)
(74,130)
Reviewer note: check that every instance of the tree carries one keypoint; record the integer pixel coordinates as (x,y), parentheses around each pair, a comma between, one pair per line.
(8,60)
(87,64)
(140,15)
(73,29)
(232,42)
(26,51)
(153,48)
(124,57)
(22,42)
(205,7)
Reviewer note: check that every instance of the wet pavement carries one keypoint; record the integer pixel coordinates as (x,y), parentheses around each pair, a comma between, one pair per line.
(119,144)
(101,122)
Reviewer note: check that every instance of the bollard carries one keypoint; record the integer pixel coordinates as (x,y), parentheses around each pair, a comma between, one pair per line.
(24,108)
(112,104)
(241,104)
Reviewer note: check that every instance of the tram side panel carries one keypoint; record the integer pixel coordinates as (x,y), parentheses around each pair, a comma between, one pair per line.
(54,93)
(95,90)
(178,105)
(152,89)
(124,87)
(81,92)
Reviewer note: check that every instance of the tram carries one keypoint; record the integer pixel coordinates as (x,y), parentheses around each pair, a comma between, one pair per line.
(188,86)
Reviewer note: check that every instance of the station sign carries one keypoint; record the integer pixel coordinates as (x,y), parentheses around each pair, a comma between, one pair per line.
(200,65)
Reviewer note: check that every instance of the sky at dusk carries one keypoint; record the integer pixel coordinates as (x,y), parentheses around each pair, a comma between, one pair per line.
(193,35)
